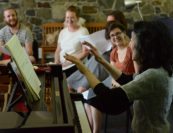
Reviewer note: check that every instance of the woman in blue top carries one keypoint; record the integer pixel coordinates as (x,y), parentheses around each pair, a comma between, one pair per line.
(151,90)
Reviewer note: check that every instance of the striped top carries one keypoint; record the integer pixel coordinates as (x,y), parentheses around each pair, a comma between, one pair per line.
(24,34)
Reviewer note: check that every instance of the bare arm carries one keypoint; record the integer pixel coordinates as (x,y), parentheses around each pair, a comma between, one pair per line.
(93,81)
(1,43)
(28,48)
(83,54)
(114,82)
(4,62)
(115,73)
(29,41)
(29,51)
(57,54)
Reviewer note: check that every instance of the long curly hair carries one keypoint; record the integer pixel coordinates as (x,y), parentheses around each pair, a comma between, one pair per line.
(154,46)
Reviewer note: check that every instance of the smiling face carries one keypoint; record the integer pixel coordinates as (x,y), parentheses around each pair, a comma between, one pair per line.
(117,38)
(71,19)
(10,17)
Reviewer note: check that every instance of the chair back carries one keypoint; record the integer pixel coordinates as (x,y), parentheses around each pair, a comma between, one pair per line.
(49,28)
(52,27)
(94,26)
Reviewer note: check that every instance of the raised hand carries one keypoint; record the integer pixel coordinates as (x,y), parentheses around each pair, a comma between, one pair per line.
(76,61)
(94,51)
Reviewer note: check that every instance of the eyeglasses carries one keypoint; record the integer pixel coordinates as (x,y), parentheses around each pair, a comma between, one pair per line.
(115,34)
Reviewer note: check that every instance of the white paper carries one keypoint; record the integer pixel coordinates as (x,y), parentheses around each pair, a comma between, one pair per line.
(98,40)
(84,38)
(24,66)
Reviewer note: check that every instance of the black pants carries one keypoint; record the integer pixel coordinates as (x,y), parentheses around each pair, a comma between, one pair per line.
(69,71)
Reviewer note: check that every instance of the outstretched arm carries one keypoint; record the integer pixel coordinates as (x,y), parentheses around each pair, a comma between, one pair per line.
(105,95)
(93,81)
(114,72)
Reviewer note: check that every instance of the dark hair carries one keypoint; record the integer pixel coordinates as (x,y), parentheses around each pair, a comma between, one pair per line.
(154,46)
(119,16)
(10,8)
(73,9)
(112,25)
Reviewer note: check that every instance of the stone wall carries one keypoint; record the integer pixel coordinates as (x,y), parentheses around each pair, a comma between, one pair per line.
(37,12)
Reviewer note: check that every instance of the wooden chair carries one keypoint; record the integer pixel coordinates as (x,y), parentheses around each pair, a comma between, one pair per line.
(94,26)
(56,26)
(47,29)
(50,28)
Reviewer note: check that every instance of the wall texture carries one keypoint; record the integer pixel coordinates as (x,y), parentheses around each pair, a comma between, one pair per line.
(37,12)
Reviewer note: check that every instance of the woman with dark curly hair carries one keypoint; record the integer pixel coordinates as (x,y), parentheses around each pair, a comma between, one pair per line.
(120,57)
(151,90)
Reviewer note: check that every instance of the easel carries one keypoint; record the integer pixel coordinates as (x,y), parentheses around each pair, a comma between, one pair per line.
(13,100)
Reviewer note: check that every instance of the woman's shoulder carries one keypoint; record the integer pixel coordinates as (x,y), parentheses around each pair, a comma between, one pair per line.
(129,52)
(83,29)
(64,31)
(129,49)
(113,54)
(114,50)
(154,73)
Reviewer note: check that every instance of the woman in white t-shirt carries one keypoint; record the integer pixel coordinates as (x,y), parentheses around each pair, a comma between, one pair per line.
(68,41)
